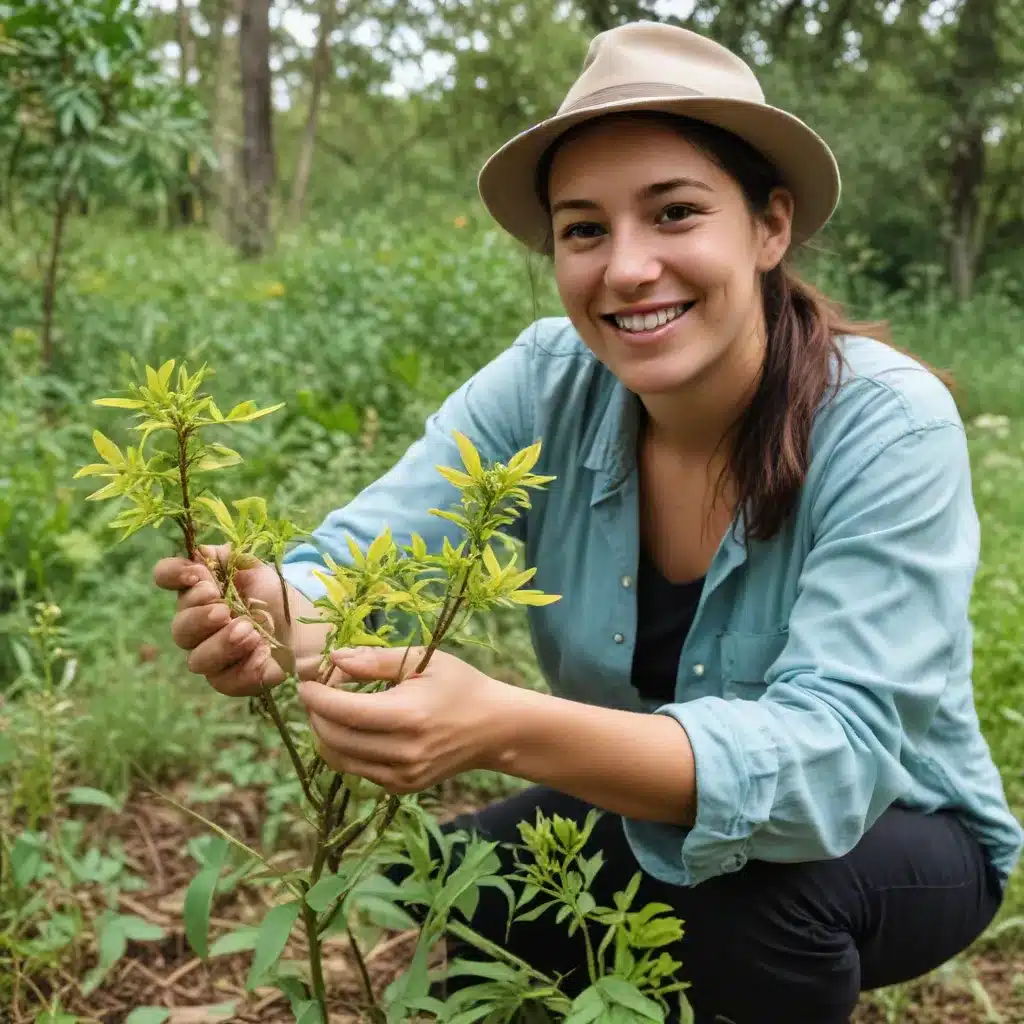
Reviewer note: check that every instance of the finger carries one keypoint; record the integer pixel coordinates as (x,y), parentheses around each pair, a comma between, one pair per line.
(380,749)
(225,648)
(179,573)
(247,678)
(205,593)
(371,712)
(311,665)
(343,764)
(377,662)
(193,626)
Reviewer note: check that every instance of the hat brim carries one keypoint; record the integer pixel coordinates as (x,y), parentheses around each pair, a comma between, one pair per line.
(806,164)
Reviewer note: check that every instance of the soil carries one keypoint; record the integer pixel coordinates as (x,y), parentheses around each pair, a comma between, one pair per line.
(168,974)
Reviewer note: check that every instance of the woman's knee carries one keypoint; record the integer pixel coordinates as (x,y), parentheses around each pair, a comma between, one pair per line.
(756,952)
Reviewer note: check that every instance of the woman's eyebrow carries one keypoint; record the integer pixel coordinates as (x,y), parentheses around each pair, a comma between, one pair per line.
(648,191)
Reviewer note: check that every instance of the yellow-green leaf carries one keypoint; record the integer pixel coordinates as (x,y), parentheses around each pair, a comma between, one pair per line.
(96,469)
(491,562)
(164,373)
(454,476)
(107,449)
(533,597)
(119,403)
(523,461)
(220,511)
(112,489)
(215,413)
(357,555)
(380,547)
(470,456)
(246,412)
(419,546)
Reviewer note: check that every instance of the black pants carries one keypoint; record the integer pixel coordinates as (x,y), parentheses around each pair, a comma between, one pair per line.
(773,942)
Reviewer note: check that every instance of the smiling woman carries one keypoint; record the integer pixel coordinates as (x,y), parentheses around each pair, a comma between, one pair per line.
(764,535)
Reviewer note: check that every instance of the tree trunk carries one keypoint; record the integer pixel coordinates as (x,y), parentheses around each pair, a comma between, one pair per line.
(975,70)
(320,71)
(258,165)
(223,106)
(50,281)
(966,179)
(186,57)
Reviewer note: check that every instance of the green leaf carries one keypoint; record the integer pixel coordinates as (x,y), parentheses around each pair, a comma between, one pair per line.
(308,1013)
(234,942)
(147,1015)
(273,937)
(626,994)
(140,930)
(26,859)
(326,891)
(199,898)
(85,795)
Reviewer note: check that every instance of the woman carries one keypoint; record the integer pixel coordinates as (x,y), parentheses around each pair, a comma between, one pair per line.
(764,537)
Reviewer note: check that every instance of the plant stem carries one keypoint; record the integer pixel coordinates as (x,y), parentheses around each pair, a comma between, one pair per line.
(363,972)
(284,593)
(268,702)
(316,969)
(188,527)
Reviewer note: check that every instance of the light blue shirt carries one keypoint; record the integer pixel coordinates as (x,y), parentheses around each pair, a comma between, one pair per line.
(827,674)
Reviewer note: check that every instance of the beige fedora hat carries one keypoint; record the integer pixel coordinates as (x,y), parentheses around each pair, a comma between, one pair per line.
(645,65)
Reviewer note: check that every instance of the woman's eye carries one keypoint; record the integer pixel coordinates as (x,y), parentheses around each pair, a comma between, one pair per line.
(677,212)
(582,229)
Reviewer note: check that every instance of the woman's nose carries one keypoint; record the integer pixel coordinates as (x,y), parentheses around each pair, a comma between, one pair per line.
(631,264)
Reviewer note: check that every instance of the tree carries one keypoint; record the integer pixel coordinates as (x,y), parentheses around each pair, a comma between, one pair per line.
(84,108)
(259,171)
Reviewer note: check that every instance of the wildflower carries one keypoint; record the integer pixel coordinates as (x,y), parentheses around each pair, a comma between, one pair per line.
(461,221)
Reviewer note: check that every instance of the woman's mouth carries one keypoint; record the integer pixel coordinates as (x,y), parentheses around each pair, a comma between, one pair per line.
(648,326)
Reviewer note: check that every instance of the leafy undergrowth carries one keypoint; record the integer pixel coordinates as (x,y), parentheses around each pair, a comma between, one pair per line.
(157,839)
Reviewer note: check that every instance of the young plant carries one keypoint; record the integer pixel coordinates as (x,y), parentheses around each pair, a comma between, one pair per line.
(387,596)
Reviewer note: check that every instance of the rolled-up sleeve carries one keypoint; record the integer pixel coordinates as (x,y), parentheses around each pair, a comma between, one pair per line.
(493,409)
(800,773)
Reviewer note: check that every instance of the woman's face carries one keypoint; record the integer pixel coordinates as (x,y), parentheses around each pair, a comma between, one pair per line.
(657,257)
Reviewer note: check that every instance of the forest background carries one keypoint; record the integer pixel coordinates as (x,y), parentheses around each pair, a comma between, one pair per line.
(287,191)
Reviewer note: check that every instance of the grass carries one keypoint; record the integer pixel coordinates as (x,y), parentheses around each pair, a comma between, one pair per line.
(362,333)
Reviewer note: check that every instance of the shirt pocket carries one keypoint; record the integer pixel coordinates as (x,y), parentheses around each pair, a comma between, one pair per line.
(746,659)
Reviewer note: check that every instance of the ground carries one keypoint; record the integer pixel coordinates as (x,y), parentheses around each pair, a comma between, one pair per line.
(985,987)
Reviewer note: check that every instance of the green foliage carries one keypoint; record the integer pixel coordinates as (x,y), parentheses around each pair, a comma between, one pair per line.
(84,107)
(440,590)
(352,405)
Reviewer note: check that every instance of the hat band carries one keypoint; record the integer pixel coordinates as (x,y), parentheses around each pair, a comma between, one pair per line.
(632,91)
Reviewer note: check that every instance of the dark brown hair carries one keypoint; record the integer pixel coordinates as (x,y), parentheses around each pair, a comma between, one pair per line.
(770,442)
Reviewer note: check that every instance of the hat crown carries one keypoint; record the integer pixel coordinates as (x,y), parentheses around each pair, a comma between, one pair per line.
(646,57)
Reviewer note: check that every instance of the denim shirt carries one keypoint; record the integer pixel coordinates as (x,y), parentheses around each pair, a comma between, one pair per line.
(827,674)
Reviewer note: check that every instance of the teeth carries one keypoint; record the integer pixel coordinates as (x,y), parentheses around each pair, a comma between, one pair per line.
(649,321)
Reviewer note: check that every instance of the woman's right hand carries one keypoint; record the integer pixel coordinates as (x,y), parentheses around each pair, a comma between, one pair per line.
(230,652)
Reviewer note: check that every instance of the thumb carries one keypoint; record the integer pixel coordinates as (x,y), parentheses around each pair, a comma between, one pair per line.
(377,662)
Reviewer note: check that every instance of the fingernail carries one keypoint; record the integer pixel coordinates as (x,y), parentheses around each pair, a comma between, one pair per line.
(240,630)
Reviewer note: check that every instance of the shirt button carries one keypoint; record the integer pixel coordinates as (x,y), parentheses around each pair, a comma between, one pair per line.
(627,581)
(619,638)
(698,670)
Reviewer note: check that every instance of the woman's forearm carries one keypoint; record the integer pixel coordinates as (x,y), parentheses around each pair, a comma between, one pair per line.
(629,763)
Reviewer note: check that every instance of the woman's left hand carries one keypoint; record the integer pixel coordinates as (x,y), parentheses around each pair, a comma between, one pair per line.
(428,728)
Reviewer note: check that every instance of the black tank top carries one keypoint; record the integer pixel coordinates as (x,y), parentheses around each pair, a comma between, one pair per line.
(665,614)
